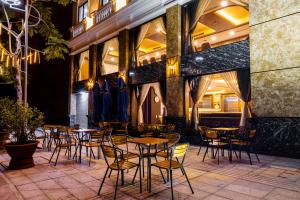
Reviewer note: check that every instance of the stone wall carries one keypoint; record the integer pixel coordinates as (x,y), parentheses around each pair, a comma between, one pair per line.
(275,77)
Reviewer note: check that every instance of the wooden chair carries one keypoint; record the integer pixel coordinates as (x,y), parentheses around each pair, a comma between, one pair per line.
(173,139)
(119,164)
(62,141)
(96,139)
(177,151)
(214,142)
(202,132)
(246,142)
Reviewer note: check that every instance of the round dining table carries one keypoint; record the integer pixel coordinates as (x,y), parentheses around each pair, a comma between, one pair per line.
(148,142)
(228,131)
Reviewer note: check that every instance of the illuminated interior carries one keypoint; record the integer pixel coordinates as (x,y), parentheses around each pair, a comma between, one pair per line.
(110,63)
(153,46)
(83,66)
(223,23)
(218,98)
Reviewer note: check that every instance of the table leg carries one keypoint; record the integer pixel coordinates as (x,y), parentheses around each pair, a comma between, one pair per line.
(80,147)
(149,170)
(230,147)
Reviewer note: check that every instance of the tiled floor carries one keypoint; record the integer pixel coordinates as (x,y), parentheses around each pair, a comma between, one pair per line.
(274,178)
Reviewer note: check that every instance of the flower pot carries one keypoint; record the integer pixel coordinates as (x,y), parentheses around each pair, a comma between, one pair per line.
(21,154)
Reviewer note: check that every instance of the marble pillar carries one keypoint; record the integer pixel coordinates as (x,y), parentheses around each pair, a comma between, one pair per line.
(174,81)
(275,74)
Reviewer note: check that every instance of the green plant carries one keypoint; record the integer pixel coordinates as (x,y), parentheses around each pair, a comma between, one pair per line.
(19,120)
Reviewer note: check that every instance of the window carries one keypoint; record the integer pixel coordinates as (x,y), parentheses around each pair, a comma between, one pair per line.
(151,45)
(221,24)
(104,2)
(120,4)
(231,103)
(83,11)
(83,66)
(110,57)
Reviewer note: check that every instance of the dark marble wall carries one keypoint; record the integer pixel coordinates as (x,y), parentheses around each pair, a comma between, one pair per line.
(148,73)
(223,58)
(278,136)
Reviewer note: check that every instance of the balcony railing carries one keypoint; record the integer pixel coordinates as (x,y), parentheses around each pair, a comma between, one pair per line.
(104,12)
(96,18)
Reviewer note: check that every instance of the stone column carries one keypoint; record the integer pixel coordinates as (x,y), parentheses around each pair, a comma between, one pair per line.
(175,84)
(124,61)
(275,74)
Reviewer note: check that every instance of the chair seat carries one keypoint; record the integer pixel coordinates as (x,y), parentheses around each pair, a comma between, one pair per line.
(166,164)
(130,155)
(241,143)
(123,165)
(64,145)
(92,144)
(217,143)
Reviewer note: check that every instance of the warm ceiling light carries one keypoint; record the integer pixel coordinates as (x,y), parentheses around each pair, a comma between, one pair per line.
(232,33)
(224,3)
(112,59)
(158,30)
(196,43)
(157,54)
(147,57)
(214,38)
(111,48)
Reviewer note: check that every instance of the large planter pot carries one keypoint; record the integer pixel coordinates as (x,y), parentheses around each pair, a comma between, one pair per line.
(21,154)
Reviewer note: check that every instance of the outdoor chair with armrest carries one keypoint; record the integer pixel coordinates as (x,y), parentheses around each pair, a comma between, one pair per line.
(177,151)
(202,133)
(95,141)
(118,164)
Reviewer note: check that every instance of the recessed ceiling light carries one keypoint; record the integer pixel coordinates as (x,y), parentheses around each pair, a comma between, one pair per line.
(214,38)
(147,57)
(158,30)
(232,32)
(224,3)
(196,43)
(111,48)
(157,53)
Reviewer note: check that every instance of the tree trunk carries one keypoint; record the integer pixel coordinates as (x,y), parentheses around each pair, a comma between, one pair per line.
(18,79)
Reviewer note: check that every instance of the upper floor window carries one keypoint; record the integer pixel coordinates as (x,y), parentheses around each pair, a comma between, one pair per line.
(223,22)
(120,4)
(104,2)
(151,42)
(83,11)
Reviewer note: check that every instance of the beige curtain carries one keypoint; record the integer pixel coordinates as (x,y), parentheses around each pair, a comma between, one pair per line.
(159,24)
(133,108)
(157,91)
(202,6)
(232,81)
(205,82)
(104,53)
(142,34)
(241,2)
(83,56)
(143,94)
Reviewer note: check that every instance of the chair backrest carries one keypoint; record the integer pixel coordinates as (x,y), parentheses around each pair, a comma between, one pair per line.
(179,150)
(171,127)
(173,138)
(210,134)
(252,134)
(119,139)
(141,128)
(97,135)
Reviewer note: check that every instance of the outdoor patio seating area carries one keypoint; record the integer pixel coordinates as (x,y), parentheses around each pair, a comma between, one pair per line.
(272,178)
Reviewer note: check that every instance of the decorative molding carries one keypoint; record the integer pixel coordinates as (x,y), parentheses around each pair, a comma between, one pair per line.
(134,14)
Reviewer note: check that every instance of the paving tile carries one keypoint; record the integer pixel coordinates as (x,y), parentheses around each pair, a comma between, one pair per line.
(83,193)
(234,195)
(68,182)
(281,194)
(48,184)
(20,180)
(28,194)
(250,188)
(28,186)
(215,197)
(82,177)
(54,194)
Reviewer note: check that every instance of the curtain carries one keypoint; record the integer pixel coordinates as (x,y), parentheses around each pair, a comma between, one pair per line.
(143,94)
(105,51)
(241,2)
(243,77)
(142,34)
(231,79)
(159,24)
(203,85)
(193,86)
(158,92)
(134,107)
(200,9)
(83,55)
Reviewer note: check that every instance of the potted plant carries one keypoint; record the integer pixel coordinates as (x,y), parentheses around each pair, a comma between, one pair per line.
(21,122)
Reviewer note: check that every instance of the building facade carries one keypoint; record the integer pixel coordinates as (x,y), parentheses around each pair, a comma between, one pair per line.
(187,62)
